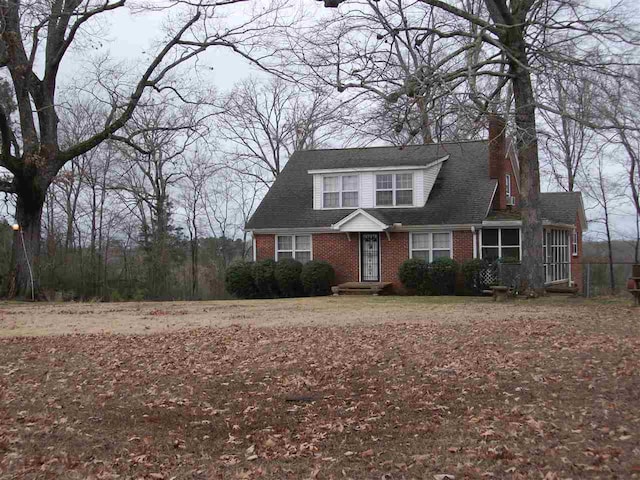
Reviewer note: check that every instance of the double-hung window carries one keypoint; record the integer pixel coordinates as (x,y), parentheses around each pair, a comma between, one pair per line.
(501,243)
(294,246)
(430,245)
(340,191)
(507,184)
(575,244)
(394,189)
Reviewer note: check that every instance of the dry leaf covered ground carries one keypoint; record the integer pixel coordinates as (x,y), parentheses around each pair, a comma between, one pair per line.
(321,388)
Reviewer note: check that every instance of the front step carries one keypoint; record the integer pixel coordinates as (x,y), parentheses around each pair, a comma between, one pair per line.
(562,290)
(360,288)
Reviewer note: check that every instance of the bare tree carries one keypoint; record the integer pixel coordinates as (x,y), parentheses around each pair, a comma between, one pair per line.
(606,194)
(35,39)
(164,134)
(263,123)
(568,140)
(199,170)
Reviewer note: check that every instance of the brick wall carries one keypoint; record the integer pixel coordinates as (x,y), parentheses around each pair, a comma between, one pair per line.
(265,246)
(500,163)
(576,262)
(462,245)
(340,252)
(395,250)
(344,254)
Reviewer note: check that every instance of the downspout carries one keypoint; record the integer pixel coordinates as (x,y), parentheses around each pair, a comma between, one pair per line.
(474,241)
(253,241)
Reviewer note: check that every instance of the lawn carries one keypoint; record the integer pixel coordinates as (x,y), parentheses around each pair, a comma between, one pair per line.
(387,388)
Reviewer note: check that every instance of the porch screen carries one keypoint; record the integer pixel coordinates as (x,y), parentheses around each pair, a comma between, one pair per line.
(557,256)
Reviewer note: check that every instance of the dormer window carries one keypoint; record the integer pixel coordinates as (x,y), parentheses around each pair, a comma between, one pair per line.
(340,191)
(394,189)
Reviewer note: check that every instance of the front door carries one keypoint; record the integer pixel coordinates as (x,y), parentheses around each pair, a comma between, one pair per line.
(370,257)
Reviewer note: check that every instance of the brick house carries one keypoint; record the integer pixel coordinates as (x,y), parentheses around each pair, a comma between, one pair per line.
(367,210)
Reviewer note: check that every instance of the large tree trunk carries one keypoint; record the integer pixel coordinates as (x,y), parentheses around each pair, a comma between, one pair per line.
(527,143)
(23,282)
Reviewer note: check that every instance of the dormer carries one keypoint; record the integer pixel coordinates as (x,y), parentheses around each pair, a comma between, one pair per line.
(405,186)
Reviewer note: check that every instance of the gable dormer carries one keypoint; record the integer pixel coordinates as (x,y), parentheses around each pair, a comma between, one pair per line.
(405,186)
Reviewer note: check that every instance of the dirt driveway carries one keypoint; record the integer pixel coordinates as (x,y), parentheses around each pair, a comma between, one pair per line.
(23,319)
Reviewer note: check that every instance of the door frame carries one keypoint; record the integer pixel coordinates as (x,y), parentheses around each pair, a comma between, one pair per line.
(361,257)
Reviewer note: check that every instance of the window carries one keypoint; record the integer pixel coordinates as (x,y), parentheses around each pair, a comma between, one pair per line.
(507,184)
(384,190)
(350,191)
(556,255)
(575,244)
(331,192)
(394,189)
(501,243)
(404,189)
(429,246)
(294,246)
(340,191)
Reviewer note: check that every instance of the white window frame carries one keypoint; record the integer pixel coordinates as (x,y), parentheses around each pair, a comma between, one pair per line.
(294,250)
(500,246)
(431,249)
(341,191)
(394,189)
(508,185)
(574,248)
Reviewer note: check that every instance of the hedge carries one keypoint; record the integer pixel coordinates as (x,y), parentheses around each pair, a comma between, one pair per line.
(411,273)
(422,278)
(238,280)
(264,277)
(472,274)
(442,276)
(287,274)
(317,277)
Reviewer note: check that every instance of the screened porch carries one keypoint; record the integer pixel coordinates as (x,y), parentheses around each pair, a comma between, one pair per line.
(502,246)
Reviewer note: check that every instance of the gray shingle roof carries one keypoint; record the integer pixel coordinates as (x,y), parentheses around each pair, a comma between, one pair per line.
(561,207)
(461,195)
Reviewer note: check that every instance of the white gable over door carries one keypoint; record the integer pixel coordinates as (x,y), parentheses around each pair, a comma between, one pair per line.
(360,221)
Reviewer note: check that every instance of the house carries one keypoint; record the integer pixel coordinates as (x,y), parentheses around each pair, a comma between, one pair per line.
(367,210)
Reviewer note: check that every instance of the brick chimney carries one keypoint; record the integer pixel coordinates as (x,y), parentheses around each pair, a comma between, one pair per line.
(497,153)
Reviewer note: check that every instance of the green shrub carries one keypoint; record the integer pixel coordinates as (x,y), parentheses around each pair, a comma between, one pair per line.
(472,275)
(317,277)
(238,280)
(442,276)
(413,273)
(264,277)
(287,275)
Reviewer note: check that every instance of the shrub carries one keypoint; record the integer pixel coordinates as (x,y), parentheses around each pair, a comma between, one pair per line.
(264,278)
(413,273)
(239,280)
(317,277)
(442,276)
(287,275)
(472,274)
